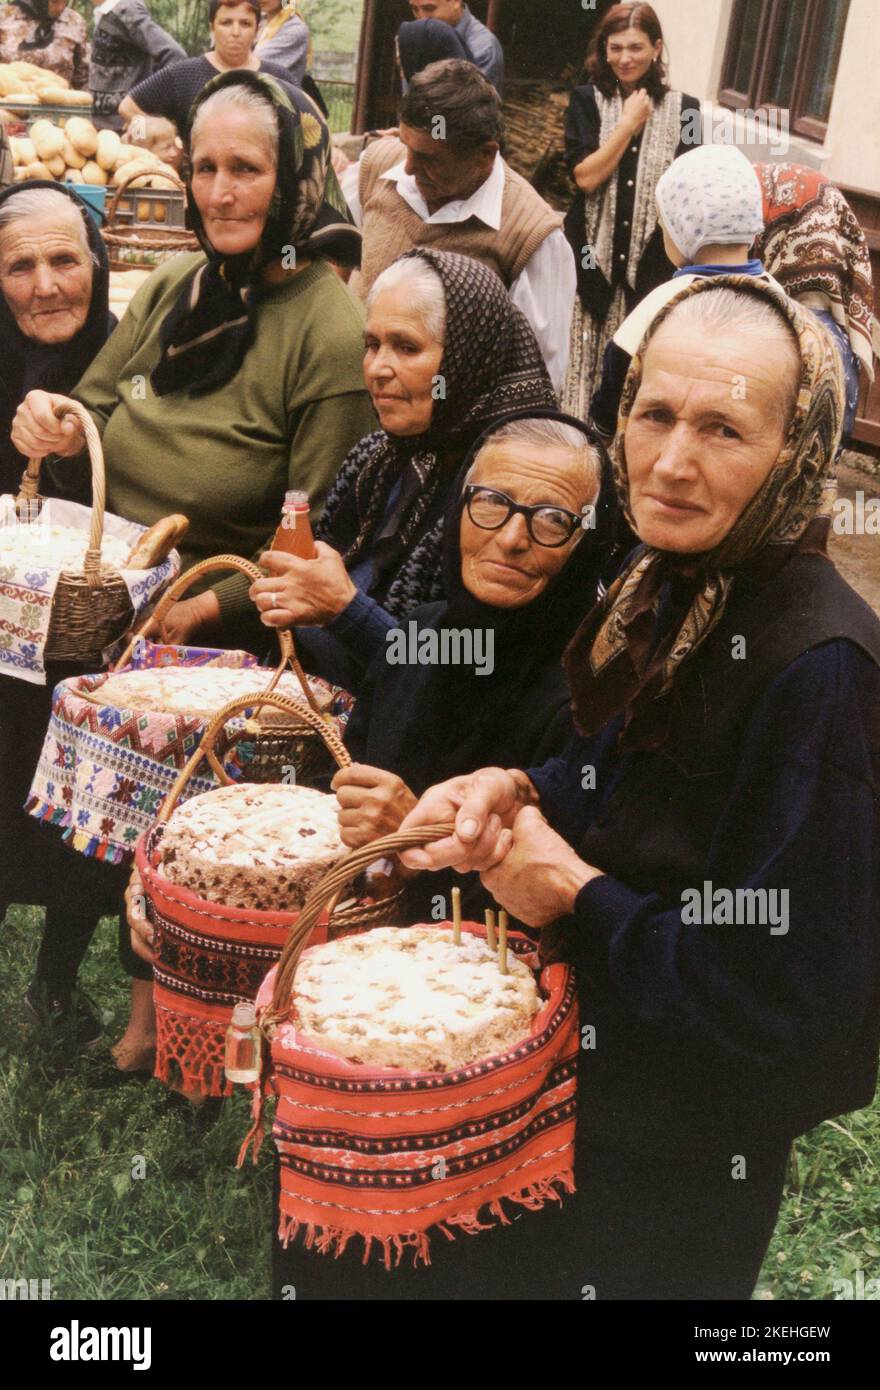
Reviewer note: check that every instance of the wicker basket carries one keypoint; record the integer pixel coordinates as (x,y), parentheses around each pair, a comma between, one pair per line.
(209,956)
(142,247)
(282,738)
(345,917)
(387,1158)
(89,610)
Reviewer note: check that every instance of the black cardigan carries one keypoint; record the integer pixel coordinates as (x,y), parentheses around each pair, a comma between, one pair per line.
(712,1034)
(582,125)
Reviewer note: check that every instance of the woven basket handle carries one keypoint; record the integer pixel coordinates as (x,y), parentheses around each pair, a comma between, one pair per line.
(30,483)
(326,892)
(259,698)
(184,582)
(138,174)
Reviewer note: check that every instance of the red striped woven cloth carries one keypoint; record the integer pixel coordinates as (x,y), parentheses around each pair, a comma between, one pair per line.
(393,1156)
(208,958)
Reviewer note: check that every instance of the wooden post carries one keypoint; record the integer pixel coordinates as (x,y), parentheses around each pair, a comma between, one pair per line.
(493,18)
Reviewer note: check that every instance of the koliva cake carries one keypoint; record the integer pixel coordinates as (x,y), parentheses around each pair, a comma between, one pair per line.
(260,847)
(193,689)
(409,997)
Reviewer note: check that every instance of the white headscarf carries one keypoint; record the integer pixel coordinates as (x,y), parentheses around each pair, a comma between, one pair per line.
(710,197)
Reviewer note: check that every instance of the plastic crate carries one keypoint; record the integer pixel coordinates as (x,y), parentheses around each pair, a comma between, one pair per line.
(39,112)
(149,207)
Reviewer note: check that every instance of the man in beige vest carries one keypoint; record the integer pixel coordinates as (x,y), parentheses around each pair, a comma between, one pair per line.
(441,182)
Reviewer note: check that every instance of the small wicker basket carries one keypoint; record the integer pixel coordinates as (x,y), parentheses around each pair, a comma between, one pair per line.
(90,610)
(352,915)
(209,956)
(138,247)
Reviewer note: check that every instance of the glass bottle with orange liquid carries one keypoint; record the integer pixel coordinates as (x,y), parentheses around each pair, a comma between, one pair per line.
(294,534)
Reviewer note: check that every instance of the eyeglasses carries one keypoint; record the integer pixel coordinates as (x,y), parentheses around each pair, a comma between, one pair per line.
(490,510)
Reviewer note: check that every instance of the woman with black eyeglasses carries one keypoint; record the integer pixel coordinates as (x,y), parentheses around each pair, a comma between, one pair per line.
(526,545)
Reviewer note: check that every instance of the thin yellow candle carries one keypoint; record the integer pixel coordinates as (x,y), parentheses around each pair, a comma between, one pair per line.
(490,930)
(456,916)
(502,942)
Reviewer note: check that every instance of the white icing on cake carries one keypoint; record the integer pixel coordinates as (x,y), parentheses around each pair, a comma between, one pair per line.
(58,547)
(193,689)
(409,997)
(252,846)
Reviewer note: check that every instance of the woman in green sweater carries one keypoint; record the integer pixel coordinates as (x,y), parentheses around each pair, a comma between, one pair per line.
(235,374)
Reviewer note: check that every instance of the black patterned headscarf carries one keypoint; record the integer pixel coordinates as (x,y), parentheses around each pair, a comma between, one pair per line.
(43,34)
(491,366)
(612,663)
(208,332)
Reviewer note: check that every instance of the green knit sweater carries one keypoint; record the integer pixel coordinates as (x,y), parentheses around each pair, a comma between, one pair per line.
(287,419)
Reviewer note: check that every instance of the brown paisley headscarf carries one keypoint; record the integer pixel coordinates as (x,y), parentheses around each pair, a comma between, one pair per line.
(612,664)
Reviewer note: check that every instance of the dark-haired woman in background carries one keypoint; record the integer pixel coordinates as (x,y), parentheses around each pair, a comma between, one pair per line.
(623,130)
(172,91)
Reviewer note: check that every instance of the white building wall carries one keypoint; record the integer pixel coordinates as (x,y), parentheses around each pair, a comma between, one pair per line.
(696,36)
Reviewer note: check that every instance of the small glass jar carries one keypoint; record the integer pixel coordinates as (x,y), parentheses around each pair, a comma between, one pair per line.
(243,1046)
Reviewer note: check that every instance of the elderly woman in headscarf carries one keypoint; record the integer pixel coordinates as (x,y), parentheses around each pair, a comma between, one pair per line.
(54,300)
(715,878)
(447,355)
(54,319)
(48,33)
(235,373)
(813,245)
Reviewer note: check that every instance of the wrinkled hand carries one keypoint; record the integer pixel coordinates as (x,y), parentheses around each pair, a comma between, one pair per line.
(539,876)
(482,805)
(302,591)
(636,110)
(142,935)
(372,803)
(185,618)
(37,431)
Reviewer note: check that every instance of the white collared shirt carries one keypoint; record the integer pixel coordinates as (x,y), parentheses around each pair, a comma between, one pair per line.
(544,290)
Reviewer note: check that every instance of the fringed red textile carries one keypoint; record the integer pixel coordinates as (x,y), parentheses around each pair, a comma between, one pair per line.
(394,1157)
(208,958)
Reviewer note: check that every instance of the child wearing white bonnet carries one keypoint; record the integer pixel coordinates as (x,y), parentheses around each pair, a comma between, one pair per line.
(709,197)
(711,211)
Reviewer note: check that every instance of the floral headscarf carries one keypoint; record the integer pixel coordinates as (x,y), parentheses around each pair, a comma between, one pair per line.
(206,335)
(611,664)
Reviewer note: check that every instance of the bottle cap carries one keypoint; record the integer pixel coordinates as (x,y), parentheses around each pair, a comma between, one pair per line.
(244,1015)
(300,500)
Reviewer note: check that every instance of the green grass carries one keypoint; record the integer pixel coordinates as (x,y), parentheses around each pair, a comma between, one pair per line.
(193,1227)
(197,1228)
